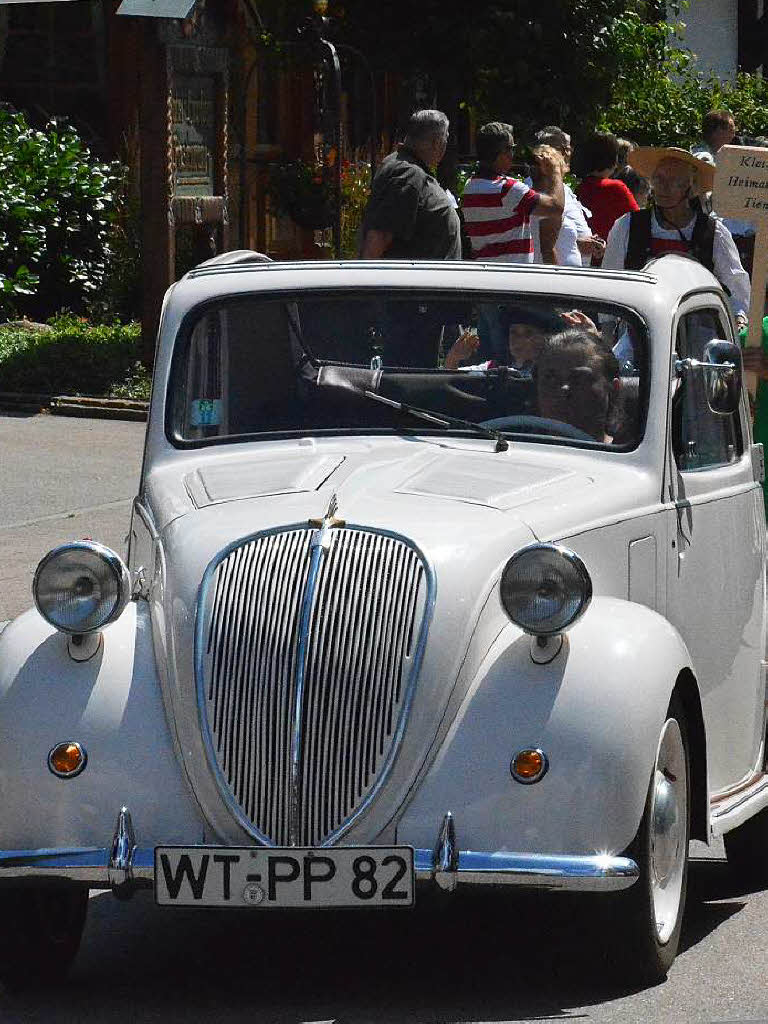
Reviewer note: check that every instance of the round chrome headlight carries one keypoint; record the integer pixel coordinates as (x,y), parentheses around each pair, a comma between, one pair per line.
(81,587)
(545,588)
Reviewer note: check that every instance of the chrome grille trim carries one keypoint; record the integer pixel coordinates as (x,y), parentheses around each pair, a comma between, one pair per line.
(318,806)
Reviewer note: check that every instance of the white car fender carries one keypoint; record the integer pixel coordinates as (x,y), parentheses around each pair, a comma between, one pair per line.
(595,710)
(111,705)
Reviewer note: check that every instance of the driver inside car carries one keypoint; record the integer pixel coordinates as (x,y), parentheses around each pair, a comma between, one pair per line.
(577,382)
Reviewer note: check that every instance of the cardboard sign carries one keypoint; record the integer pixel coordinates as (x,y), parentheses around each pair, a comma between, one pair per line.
(741,183)
(741,191)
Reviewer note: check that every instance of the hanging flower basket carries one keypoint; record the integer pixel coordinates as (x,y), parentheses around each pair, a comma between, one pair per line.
(314,214)
(297,189)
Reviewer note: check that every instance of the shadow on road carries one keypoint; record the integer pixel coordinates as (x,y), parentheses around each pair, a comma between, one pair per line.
(489,957)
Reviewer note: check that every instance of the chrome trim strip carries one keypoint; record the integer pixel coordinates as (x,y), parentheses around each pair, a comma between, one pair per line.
(124,866)
(742,805)
(146,518)
(598,873)
(318,545)
(410,265)
(751,782)
(199,637)
(90,866)
(7,622)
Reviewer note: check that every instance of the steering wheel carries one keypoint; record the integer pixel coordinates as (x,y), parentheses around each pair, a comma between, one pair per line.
(536,425)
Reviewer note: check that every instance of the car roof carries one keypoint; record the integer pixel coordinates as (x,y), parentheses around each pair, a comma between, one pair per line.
(659,286)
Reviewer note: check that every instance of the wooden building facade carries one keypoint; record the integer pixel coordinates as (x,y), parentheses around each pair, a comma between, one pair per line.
(200,109)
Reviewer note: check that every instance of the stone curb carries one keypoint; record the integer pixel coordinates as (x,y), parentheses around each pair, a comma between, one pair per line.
(74,405)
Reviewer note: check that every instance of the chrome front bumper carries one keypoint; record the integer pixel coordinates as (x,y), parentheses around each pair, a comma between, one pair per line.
(124,867)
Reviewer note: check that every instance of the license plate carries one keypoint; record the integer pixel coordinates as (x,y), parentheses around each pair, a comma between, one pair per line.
(213,876)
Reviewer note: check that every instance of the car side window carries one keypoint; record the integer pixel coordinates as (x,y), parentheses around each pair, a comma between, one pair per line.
(702,439)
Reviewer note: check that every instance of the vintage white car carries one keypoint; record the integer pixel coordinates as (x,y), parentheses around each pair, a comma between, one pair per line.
(437,576)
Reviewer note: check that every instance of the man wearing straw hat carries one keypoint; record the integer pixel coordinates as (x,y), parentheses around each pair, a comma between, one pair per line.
(677,223)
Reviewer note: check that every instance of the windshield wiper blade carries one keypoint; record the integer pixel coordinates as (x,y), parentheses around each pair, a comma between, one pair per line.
(502,444)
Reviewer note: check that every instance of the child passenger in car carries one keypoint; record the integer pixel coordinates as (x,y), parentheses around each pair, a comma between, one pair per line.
(528,329)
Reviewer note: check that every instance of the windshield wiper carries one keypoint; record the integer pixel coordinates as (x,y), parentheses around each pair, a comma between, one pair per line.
(502,444)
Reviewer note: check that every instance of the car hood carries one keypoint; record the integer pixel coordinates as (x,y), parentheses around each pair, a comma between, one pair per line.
(398,484)
(465,508)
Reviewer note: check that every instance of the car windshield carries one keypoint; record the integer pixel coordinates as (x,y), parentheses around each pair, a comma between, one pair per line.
(551,369)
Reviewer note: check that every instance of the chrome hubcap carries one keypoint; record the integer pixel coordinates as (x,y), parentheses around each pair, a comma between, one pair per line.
(668,829)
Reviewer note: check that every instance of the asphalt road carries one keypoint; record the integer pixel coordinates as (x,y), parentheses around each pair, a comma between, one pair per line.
(497,958)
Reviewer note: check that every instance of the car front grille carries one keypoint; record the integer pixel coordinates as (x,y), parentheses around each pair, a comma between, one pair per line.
(305,678)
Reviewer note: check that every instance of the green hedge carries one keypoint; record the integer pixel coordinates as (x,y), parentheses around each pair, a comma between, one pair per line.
(73,357)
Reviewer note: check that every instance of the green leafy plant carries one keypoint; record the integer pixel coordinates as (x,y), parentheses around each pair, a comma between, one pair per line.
(137,384)
(73,356)
(659,96)
(56,206)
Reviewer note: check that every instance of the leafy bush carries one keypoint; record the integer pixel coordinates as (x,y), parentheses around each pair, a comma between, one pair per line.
(137,385)
(659,97)
(72,357)
(656,95)
(56,206)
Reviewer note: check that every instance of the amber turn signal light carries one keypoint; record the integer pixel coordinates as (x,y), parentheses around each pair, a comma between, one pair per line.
(67,759)
(529,766)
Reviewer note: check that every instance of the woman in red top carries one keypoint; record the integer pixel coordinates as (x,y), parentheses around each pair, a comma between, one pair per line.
(606,198)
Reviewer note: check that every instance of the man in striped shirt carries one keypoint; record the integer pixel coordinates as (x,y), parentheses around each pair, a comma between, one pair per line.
(497,209)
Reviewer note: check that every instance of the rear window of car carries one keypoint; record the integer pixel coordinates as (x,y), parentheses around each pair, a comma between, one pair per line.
(556,369)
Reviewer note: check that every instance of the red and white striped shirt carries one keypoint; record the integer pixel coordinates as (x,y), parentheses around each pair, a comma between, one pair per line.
(497,218)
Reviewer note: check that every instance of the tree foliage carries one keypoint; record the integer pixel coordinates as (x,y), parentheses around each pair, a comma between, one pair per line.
(508,60)
(659,96)
(56,207)
(610,64)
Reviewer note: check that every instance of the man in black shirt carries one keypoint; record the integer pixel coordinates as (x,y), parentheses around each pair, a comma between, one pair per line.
(410,216)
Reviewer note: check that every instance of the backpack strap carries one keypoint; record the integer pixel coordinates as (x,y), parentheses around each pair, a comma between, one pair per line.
(639,241)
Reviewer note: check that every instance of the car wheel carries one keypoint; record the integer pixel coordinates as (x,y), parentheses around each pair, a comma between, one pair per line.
(746,848)
(652,909)
(40,937)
